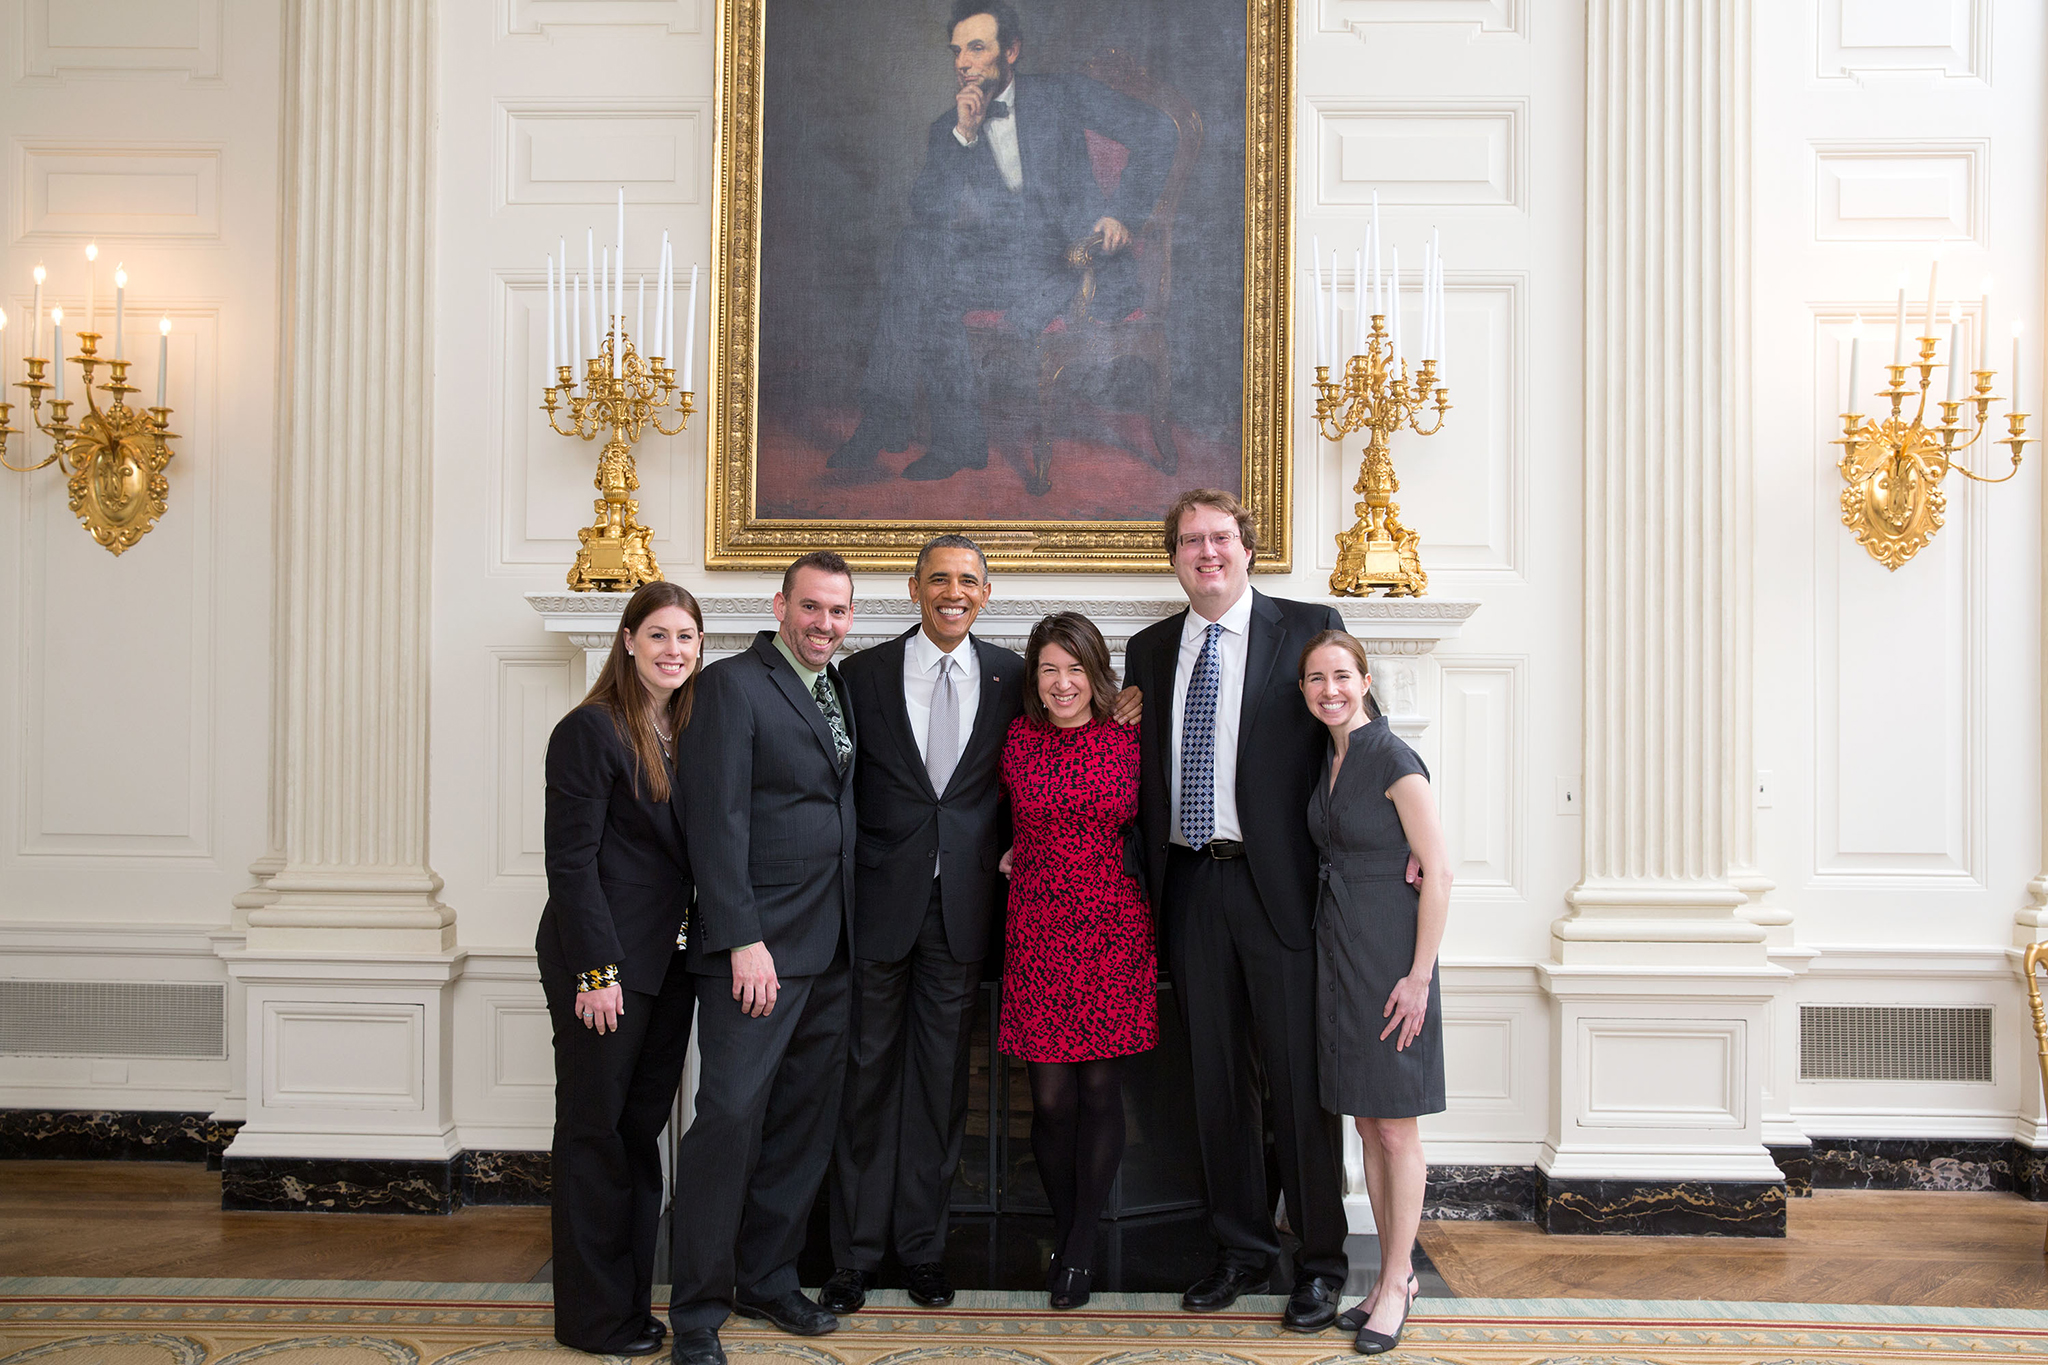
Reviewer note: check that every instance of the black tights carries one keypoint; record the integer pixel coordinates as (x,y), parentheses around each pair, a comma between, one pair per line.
(1077,1134)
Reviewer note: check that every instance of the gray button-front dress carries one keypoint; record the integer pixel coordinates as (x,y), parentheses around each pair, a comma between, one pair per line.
(1365,938)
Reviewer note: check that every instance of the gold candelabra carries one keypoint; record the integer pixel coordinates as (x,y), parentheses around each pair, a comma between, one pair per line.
(624,395)
(1375,395)
(114,455)
(1894,467)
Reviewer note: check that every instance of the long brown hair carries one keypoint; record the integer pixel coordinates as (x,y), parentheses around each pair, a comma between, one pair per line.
(618,688)
(1077,635)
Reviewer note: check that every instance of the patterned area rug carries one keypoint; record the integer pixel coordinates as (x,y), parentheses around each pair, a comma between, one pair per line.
(234,1322)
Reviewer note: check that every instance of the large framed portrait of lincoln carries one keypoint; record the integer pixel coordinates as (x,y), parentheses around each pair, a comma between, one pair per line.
(1015,268)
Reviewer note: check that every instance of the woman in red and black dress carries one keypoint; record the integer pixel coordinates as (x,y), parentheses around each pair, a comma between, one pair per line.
(1079,971)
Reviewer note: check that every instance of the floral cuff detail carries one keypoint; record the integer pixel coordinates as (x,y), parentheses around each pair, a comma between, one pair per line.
(597,978)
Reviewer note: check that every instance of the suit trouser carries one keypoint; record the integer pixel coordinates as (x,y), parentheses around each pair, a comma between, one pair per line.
(613,1095)
(906,1102)
(749,1168)
(1248,1001)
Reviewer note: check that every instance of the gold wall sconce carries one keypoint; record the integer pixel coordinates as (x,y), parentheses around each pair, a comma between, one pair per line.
(114,455)
(622,394)
(1894,465)
(1374,392)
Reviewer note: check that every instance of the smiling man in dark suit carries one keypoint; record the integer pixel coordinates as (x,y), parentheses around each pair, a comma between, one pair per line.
(1229,758)
(766,770)
(933,706)
(1008,187)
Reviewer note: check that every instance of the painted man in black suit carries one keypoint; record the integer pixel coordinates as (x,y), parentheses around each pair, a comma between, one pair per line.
(1230,757)
(1008,187)
(933,707)
(767,771)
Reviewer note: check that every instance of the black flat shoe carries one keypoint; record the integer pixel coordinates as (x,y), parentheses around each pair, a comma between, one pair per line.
(1070,1287)
(1371,1343)
(928,1285)
(792,1312)
(847,1290)
(698,1346)
(1219,1289)
(1311,1307)
(1353,1318)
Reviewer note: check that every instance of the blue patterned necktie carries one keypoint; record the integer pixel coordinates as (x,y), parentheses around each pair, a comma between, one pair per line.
(1198,743)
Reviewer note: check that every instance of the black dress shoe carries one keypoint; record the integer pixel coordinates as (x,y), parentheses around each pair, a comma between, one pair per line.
(1070,1287)
(928,1285)
(698,1346)
(792,1312)
(942,464)
(1311,1307)
(658,1327)
(847,1290)
(646,1344)
(1371,1343)
(1219,1289)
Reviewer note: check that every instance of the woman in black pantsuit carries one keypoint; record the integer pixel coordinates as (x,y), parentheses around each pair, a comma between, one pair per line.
(611,964)
(1379,1032)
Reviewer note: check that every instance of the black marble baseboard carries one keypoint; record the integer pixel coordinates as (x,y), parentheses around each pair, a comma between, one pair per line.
(1796,1162)
(1913,1164)
(1687,1208)
(507,1178)
(332,1186)
(1480,1194)
(112,1135)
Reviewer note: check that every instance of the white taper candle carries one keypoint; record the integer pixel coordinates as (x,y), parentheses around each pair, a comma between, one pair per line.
(1984,328)
(35,325)
(1855,364)
(57,347)
(92,285)
(576,326)
(640,313)
(163,360)
(1394,307)
(690,332)
(1899,335)
(120,304)
(547,378)
(1955,359)
(1315,270)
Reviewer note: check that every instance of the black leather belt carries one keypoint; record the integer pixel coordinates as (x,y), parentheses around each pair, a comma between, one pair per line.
(1219,849)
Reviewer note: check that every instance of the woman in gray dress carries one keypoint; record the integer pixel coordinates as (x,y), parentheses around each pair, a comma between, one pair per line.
(1378,1009)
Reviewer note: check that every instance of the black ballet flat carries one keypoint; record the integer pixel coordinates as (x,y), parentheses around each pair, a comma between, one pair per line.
(1371,1343)
(1353,1318)
(1070,1287)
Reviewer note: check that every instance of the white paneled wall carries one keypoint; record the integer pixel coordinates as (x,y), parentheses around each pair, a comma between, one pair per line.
(1896,714)
(134,697)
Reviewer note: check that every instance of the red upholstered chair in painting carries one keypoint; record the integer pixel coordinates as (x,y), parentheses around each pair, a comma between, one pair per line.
(1079,345)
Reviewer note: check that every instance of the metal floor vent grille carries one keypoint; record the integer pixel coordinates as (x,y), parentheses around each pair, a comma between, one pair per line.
(1895,1042)
(113,1019)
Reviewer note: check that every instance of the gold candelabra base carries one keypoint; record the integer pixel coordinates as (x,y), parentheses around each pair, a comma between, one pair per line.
(1893,466)
(1375,394)
(624,395)
(115,456)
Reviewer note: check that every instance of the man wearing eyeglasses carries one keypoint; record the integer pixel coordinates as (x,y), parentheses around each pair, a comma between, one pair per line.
(1226,774)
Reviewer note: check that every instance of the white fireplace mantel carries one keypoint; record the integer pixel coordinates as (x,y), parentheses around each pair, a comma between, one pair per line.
(1398,632)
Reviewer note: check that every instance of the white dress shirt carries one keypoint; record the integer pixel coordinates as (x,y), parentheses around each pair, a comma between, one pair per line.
(1232,648)
(1002,140)
(921,679)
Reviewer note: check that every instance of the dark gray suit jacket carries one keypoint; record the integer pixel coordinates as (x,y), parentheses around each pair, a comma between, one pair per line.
(763,796)
(904,824)
(1280,749)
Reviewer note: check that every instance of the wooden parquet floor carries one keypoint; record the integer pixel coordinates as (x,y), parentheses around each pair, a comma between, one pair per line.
(1864,1247)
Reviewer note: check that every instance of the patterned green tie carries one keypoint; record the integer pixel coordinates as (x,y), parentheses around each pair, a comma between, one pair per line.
(829,704)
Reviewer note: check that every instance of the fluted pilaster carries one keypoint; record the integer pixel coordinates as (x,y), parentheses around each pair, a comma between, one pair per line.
(354,483)
(1667,660)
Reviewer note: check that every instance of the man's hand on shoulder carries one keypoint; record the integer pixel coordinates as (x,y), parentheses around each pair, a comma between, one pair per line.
(1129,708)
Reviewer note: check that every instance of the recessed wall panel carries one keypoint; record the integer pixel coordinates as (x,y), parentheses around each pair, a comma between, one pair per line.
(1437,154)
(68,190)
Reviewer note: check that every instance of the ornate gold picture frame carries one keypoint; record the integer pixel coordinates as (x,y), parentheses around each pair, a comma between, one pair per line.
(1105,373)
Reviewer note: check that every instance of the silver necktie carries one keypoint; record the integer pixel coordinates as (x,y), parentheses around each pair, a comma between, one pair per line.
(942,738)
